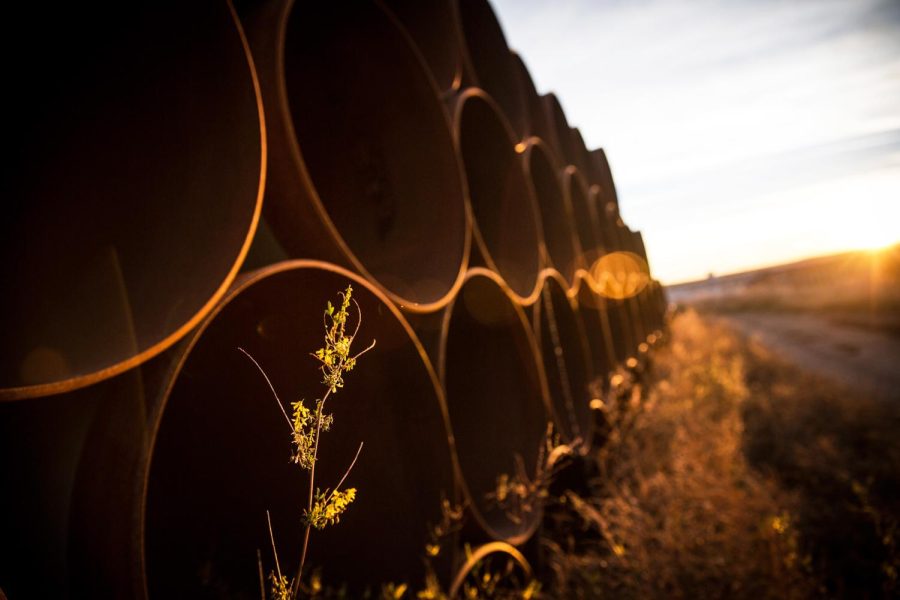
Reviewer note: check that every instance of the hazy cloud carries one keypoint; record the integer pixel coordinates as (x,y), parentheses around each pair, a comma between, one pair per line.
(708,105)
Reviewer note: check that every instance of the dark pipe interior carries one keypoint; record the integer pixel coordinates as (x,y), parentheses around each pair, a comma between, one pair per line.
(537,118)
(600,325)
(494,395)
(603,224)
(133,186)
(492,61)
(376,142)
(563,343)
(620,327)
(559,127)
(221,457)
(632,304)
(584,222)
(579,152)
(502,204)
(432,25)
(603,175)
(559,235)
(40,444)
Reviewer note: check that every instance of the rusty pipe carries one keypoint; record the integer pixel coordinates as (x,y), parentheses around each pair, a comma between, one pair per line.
(41,443)
(580,154)
(601,174)
(193,496)
(644,278)
(560,334)
(135,188)
(559,135)
(562,247)
(538,126)
(504,215)
(585,220)
(363,170)
(496,398)
(434,28)
(493,66)
(602,324)
(635,279)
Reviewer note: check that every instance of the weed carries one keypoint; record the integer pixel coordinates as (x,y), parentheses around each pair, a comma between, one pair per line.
(306,425)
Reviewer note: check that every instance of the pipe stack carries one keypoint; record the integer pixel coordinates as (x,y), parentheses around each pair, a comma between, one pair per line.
(202,178)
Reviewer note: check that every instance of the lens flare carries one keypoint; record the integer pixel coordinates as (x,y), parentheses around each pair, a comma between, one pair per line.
(620,275)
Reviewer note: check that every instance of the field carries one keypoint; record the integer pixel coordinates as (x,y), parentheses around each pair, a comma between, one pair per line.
(737,475)
(838,316)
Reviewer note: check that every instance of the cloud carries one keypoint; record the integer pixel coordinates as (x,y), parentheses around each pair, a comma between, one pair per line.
(715,108)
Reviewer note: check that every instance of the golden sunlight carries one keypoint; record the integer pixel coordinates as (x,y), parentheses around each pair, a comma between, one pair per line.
(620,275)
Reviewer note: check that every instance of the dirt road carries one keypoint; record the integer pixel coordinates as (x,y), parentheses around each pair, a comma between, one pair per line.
(859,357)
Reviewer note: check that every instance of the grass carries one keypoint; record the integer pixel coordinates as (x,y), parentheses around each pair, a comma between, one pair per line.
(734,476)
(725,474)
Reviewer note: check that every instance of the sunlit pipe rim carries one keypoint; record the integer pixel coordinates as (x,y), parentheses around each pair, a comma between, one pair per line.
(456,107)
(471,75)
(74,383)
(567,207)
(245,281)
(282,113)
(584,351)
(442,375)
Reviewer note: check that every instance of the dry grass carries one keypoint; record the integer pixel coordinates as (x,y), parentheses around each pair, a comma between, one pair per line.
(839,452)
(735,477)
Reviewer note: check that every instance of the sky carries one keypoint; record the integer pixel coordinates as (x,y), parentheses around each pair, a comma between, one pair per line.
(740,133)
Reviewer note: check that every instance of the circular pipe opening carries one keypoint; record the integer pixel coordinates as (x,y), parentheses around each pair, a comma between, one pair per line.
(496,399)
(134,190)
(369,173)
(559,127)
(433,27)
(221,452)
(492,63)
(560,239)
(580,153)
(576,190)
(606,234)
(601,324)
(505,219)
(567,358)
(537,118)
(601,174)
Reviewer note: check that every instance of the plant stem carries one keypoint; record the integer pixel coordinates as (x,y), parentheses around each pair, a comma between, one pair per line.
(271,387)
(347,472)
(312,481)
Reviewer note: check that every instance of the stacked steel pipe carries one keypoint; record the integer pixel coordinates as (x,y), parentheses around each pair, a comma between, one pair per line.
(198,179)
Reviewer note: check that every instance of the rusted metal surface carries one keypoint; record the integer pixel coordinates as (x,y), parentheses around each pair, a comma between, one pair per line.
(41,443)
(497,399)
(559,127)
(602,325)
(483,555)
(575,188)
(580,154)
(505,218)
(363,170)
(538,125)
(561,243)
(638,328)
(135,188)
(562,339)
(640,251)
(493,66)
(137,192)
(216,453)
(434,28)
(601,174)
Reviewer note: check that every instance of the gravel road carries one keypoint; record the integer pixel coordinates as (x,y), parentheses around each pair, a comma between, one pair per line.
(856,356)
